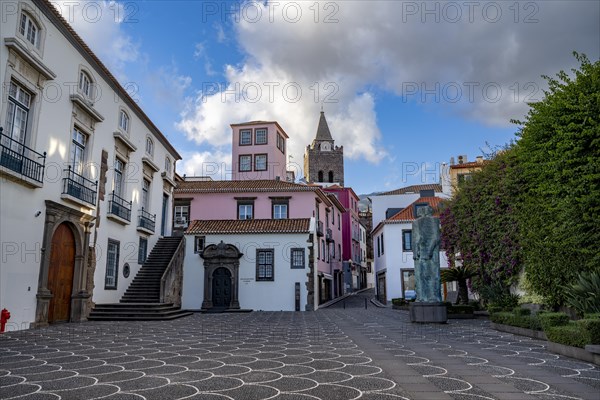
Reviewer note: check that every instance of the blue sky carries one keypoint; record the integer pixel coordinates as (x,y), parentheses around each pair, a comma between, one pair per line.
(405,85)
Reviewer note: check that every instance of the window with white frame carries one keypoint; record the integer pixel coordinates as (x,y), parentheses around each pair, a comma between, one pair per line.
(77,159)
(29,30)
(199,243)
(17,115)
(124,121)
(265,264)
(85,84)
(260,136)
(297,258)
(245,137)
(245,210)
(280,210)
(112,264)
(149,147)
(245,163)
(260,162)
(182,215)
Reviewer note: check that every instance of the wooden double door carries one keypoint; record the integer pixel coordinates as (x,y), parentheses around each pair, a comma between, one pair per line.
(60,274)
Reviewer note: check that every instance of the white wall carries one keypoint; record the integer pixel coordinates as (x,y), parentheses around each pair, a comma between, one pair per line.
(277,295)
(49,130)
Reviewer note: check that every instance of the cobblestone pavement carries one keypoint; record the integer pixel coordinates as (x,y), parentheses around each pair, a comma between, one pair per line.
(336,353)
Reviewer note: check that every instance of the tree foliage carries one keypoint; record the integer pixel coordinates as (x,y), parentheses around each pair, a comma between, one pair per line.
(536,204)
(479,226)
(559,160)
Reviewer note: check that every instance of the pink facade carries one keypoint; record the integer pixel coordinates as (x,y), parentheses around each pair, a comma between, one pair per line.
(350,222)
(211,202)
(259,151)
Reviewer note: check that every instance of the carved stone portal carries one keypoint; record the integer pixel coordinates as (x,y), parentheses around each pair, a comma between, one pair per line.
(221,275)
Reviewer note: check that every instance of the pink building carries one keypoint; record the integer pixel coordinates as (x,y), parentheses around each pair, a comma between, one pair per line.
(258,203)
(259,151)
(351,251)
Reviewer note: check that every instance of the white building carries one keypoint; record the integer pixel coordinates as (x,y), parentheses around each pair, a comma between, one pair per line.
(247,264)
(87,178)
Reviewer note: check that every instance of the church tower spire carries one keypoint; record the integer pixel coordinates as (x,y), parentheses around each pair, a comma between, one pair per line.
(323,161)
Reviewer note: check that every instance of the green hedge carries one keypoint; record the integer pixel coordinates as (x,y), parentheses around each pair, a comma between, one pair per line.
(399,302)
(494,309)
(592,316)
(522,311)
(592,328)
(460,309)
(571,334)
(552,319)
(517,318)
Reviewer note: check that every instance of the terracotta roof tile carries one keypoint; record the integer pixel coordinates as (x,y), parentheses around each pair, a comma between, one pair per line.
(263,185)
(408,214)
(414,189)
(253,226)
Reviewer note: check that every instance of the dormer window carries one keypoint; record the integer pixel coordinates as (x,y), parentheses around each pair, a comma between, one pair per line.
(123,121)
(85,84)
(149,147)
(29,30)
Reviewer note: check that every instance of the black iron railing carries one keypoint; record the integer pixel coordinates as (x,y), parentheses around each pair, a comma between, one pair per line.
(119,207)
(319,228)
(79,187)
(146,220)
(21,159)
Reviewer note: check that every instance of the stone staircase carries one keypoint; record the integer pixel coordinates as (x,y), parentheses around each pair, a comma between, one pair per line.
(142,299)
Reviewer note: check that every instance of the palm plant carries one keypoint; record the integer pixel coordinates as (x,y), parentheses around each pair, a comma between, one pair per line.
(584,294)
(460,275)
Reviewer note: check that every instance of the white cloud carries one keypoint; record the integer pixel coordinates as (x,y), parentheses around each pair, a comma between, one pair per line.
(483,64)
(99,23)
(216,164)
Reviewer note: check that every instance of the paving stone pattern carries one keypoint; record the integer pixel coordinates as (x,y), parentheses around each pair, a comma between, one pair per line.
(334,353)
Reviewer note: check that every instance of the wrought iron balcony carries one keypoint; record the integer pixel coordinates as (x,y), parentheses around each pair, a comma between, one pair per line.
(146,220)
(319,228)
(79,187)
(119,207)
(329,235)
(21,159)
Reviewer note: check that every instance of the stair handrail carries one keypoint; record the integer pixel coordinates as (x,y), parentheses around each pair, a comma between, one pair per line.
(171,281)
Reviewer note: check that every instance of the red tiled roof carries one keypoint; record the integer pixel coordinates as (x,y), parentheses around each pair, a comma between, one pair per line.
(436,187)
(408,214)
(263,185)
(254,226)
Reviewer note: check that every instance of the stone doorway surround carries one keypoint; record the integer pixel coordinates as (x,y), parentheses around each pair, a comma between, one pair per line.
(81,225)
(217,256)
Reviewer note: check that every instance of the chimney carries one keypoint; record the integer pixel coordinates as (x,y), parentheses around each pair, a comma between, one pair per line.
(451,160)
(479,159)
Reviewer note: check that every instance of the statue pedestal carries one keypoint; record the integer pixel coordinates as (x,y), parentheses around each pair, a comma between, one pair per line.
(428,312)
